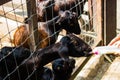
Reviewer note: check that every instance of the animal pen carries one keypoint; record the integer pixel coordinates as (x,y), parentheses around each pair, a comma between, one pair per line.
(98,24)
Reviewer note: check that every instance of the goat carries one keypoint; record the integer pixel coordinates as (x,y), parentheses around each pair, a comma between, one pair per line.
(79,46)
(13,56)
(69,45)
(48,31)
(21,37)
(62,72)
(1,78)
(47,74)
(48,9)
(59,70)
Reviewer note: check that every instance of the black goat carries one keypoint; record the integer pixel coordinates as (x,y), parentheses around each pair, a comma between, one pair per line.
(48,9)
(61,71)
(10,57)
(1,78)
(69,45)
(47,74)
(79,47)
(48,31)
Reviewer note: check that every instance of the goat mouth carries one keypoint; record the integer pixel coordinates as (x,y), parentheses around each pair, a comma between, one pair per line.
(87,53)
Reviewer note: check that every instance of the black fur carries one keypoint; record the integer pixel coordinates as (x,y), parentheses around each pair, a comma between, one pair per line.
(33,66)
(48,31)
(13,57)
(61,71)
(48,9)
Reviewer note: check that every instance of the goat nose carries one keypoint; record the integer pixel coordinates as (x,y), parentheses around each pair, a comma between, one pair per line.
(89,49)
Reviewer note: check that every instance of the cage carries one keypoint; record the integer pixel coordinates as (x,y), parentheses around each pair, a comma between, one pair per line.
(97,20)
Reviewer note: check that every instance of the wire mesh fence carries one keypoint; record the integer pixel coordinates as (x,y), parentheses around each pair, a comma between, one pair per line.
(21,19)
(11,13)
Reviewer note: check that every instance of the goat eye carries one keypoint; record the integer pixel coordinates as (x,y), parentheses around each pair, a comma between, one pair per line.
(58,68)
(71,24)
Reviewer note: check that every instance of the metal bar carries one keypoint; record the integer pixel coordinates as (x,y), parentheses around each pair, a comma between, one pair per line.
(33,26)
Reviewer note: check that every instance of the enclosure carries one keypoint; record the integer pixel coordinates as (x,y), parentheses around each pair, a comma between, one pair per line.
(99,23)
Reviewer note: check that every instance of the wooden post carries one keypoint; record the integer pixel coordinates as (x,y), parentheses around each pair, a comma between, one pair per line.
(4,1)
(90,9)
(109,20)
(100,20)
(33,26)
(97,18)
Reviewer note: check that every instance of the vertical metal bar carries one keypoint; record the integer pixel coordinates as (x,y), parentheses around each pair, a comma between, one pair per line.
(109,20)
(33,26)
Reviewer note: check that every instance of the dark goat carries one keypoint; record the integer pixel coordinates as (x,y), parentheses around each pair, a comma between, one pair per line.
(79,47)
(47,9)
(10,57)
(62,72)
(59,70)
(47,74)
(69,45)
(1,78)
(48,31)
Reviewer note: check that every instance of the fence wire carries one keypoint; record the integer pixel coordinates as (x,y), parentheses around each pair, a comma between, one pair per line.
(17,8)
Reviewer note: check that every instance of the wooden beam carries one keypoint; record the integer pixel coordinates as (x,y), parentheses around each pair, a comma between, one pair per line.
(113,72)
(11,16)
(4,1)
(33,26)
(96,17)
(80,62)
(99,19)
(109,20)
(90,69)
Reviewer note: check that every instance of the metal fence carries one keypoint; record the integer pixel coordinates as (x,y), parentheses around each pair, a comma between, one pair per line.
(95,22)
